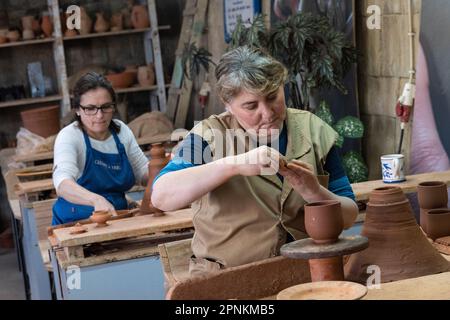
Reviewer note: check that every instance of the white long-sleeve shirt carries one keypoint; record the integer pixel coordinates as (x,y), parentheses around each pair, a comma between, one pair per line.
(70,152)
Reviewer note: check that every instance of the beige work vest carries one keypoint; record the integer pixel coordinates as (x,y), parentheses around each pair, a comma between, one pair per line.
(246,219)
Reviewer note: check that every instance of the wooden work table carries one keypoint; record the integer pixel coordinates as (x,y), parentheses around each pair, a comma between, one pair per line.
(362,190)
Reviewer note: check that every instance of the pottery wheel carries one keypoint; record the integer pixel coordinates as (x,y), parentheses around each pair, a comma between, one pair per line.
(308,249)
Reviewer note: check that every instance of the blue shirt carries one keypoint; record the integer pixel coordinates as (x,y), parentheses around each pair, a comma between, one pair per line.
(195,151)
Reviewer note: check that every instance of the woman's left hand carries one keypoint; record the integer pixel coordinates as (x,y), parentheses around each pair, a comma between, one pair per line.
(302,178)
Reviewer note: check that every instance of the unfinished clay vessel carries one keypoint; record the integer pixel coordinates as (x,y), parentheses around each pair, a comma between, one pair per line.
(101,25)
(438,223)
(139,17)
(100,217)
(86,22)
(396,243)
(158,160)
(432,194)
(323,221)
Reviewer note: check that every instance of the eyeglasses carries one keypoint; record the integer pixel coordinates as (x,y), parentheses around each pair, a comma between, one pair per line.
(91,110)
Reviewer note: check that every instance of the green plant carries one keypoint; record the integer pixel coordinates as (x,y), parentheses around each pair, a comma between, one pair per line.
(194,59)
(307,45)
(351,128)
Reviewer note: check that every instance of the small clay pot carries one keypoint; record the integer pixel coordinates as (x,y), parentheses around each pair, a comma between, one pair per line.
(13,35)
(323,221)
(86,22)
(3,39)
(146,75)
(117,22)
(432,194)
(27,22)
(438,223)
(139,17)
(100,217)
(101,25)
(47,25)
(70,33)
(28,34)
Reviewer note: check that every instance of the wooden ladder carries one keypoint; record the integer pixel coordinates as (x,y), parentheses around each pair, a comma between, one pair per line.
(194,20)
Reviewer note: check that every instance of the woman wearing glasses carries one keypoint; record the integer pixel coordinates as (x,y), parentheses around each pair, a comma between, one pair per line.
(96,157)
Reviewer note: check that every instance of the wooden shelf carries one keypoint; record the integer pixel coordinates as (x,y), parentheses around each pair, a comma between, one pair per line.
(22,102)
(113,33)
(26,42)
(139,88)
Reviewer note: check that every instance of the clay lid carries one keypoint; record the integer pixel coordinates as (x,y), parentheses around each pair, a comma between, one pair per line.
(386,195)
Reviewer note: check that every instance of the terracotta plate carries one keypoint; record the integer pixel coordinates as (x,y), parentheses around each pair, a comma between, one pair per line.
(325,290)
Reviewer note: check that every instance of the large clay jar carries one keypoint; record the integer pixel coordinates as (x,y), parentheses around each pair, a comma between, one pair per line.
(158,160)
(139,17)
(396,243)
(101,25)
(146,75)
(42,121)
(323,221)
(86,22)
(438,223)
(47,25)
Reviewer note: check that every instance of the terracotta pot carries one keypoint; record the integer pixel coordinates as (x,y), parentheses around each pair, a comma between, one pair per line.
(117,22)
(70,33)
(47,25)
(3,39)
(386,195)
(158,160)
(323,221)
(122,80)
(396,243)
(27,22)
(13,35)
(101,25)
(438,223)
(42,121)
(100,217)
(86,22)
(432,194)
(139,17)
(27,34)
(146,75)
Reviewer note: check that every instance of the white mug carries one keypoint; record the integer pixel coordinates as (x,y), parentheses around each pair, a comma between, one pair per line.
(392,168)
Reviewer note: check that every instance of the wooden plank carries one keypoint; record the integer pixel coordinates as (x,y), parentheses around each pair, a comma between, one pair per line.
(29,101)
(196,36)
(433,287)
(34,157)
(130,227)
(177,75)
(26,42)
(74,253)
(362,190)
(34,186)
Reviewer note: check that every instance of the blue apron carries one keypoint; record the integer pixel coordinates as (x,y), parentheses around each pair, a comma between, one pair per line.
(109,175)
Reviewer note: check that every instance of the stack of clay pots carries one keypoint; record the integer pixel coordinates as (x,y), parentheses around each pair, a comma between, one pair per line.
(397,246)
(434,214)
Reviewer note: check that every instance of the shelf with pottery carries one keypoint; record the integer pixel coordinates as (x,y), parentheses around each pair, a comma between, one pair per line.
(114,33)
(29,101)
(139,88)
(26,42)
(363,189)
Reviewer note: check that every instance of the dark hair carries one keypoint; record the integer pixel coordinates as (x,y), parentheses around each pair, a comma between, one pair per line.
(91,81)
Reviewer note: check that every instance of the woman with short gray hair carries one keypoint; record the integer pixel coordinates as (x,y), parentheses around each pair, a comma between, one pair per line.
(249,171)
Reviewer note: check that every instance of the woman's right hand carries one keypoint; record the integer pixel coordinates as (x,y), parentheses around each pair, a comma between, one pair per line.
(260,161)
(101,204)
